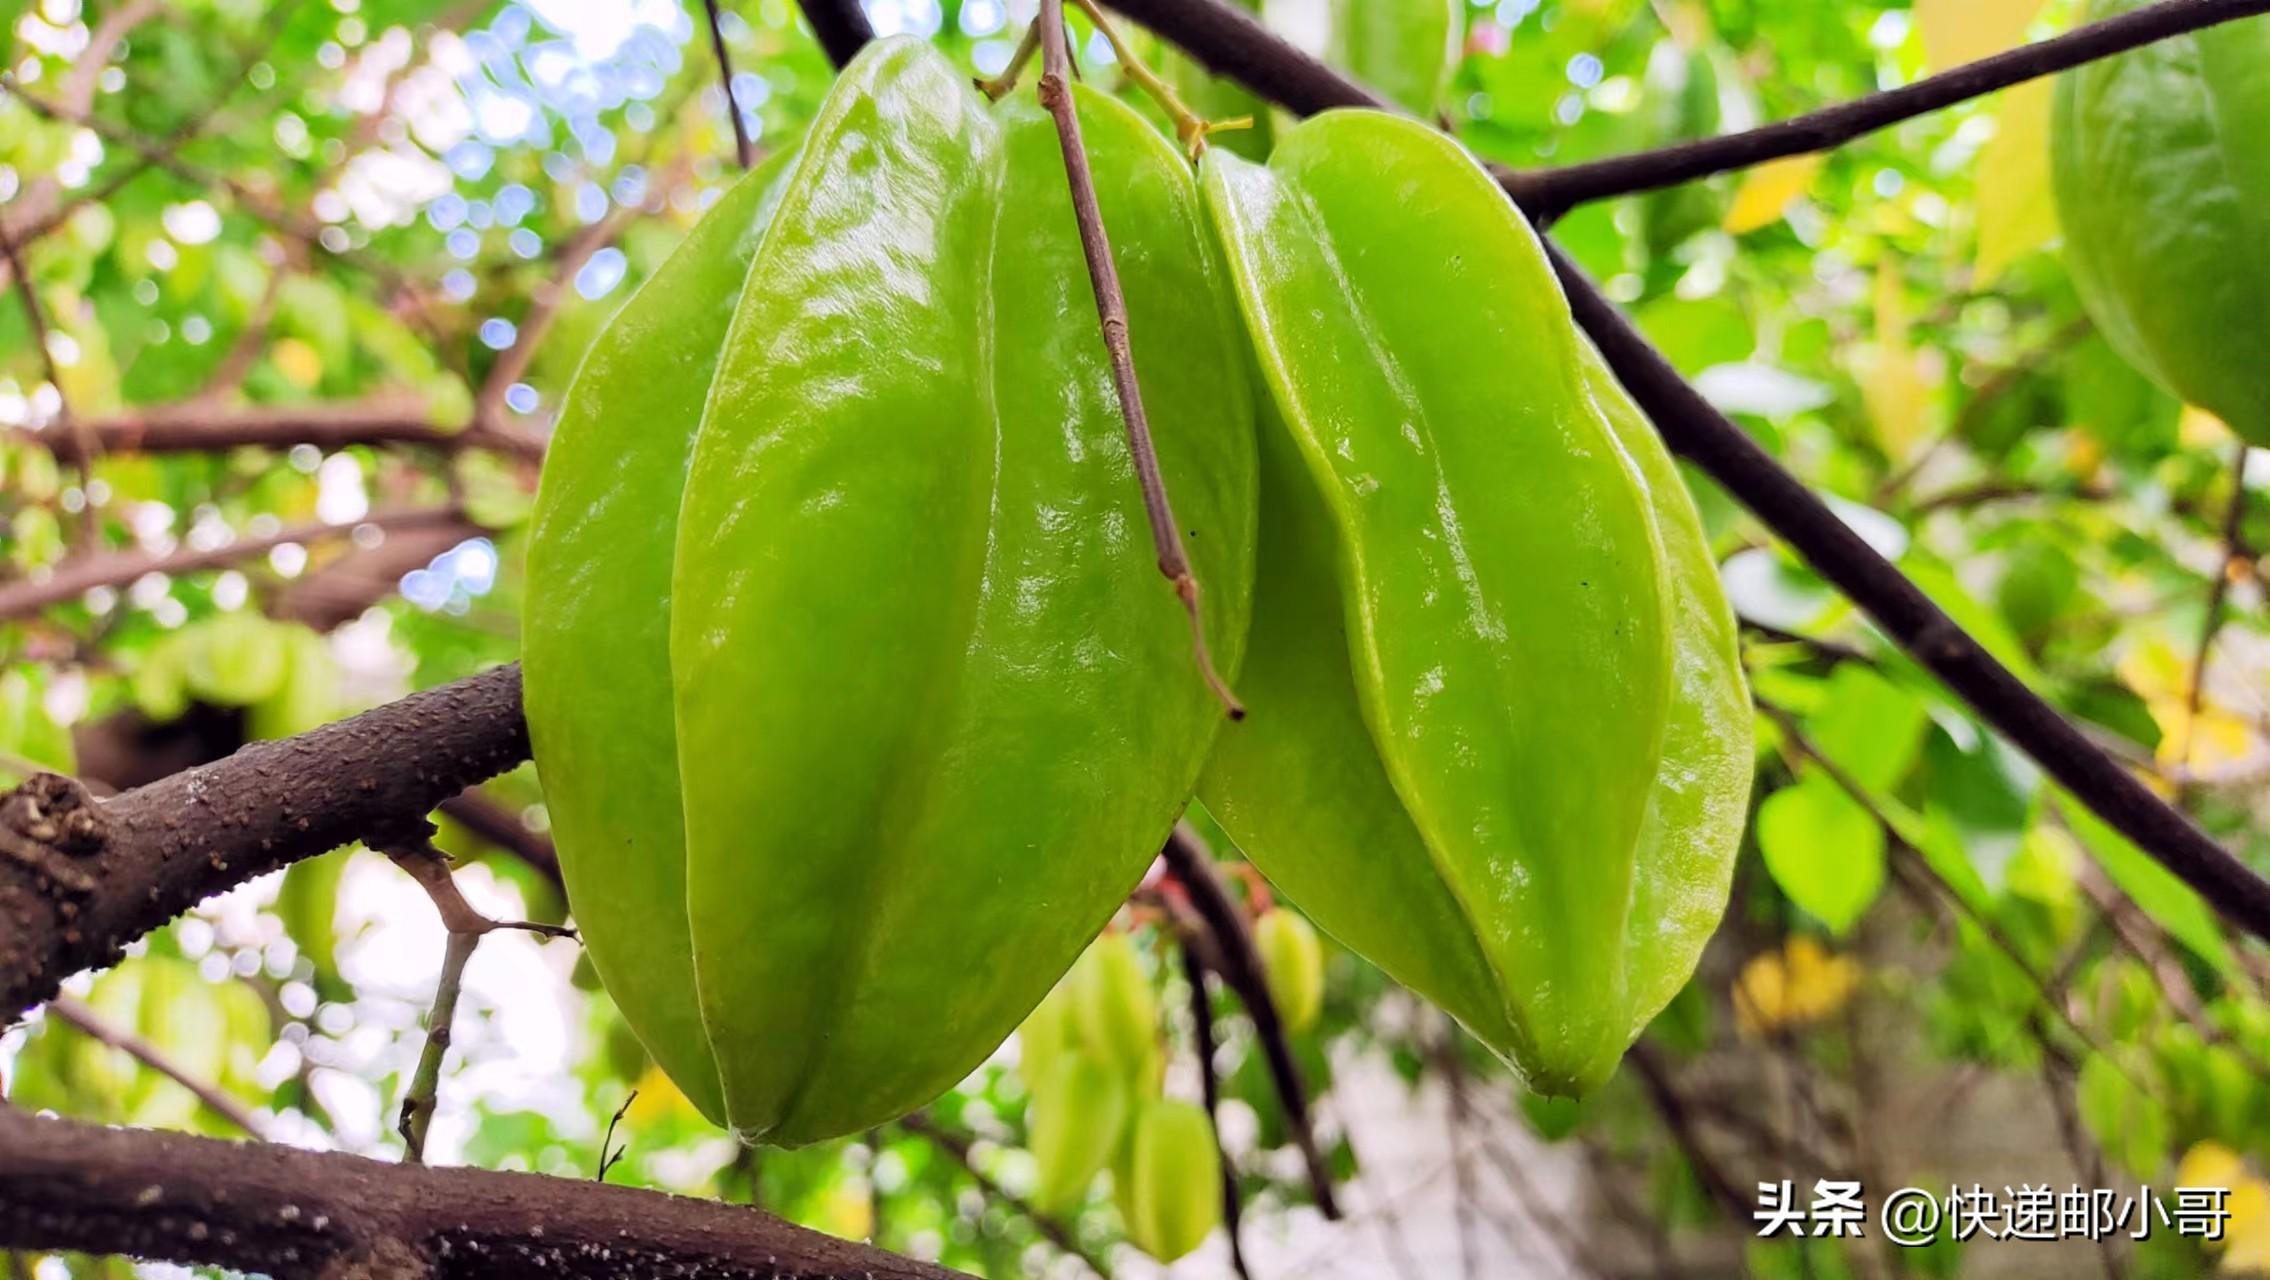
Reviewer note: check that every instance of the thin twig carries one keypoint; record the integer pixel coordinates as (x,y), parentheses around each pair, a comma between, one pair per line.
(1111,313)
(1997,385)
(609,1153)
(90,523)
(1546,193)
(76,1015)
(1210,1081)
(745,153)
(195,427)
(1239,962)
(466,927)
(1679,1122)
(1460,1120)
(996,88)
(73,578)
(958,1147)
(2233,556)
(1799,743)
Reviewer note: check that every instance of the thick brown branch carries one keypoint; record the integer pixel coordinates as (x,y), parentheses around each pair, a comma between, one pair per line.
(194,428)
(73,578)
(290,1213)
(160,849)
(1545,193)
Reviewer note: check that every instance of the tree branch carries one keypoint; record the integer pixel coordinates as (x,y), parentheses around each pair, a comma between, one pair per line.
(193,427)
(1233,43)
(841,26)
(1547,193)
(156,851)
(73,578)
(1111,317)
(1239,963)
(76,1015)
(1699,432)
(2231,558)
(1204,1045)
(958,1147)
(742,151)
(279,1211)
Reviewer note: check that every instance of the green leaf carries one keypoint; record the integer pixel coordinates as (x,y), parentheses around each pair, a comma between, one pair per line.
(2127,1122)
(1405,49)
(1868,726)
(1824,850)
(2168,901)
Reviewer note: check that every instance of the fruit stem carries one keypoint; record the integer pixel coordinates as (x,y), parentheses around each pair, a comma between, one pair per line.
(1111,315)
(999,87)
(1189,126)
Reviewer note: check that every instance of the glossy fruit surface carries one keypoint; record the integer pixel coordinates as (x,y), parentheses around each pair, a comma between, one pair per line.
(1292,963)
(1079,1111)
(596,639)
(2163,191)
(1466,662)
(1170,1199)
(933,709)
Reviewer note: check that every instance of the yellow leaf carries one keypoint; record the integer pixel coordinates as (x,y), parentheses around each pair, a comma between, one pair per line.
(297,361)
(1960,31)
(2198,428)
(1892,382)
(846,1211)
(2246,1236)
(2015,210)
(1767,190)
(2209,1164)
(1801,983)
(658,1098)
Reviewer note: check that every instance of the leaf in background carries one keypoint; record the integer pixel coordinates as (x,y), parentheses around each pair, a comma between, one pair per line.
(1868,726)
(2016,213)
(308,904)
(1801,983)
(1767,190)
(1960,31)
(1405,49)
(2170,902)
(1894,384)
(28,735)
(1824,850)
(1984,624)
(2128,1122)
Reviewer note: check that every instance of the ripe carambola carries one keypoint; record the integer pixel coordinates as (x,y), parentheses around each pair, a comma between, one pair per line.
(1499,742)
(854,743)
(2162,178)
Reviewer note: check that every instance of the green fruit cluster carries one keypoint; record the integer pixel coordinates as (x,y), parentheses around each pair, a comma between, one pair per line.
(1090,1055)
(860,707)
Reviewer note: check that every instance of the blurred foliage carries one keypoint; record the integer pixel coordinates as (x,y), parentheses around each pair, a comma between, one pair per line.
(423,207)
